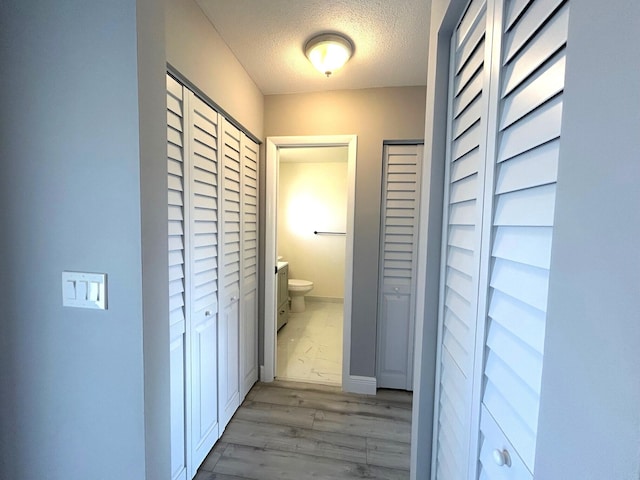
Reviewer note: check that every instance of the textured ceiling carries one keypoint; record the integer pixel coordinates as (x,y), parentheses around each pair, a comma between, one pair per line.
(268,36)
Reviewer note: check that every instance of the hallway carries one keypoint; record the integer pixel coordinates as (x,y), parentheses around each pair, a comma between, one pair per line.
(294,431)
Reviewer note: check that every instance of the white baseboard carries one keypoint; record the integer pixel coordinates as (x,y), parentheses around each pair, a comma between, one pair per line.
(358,384)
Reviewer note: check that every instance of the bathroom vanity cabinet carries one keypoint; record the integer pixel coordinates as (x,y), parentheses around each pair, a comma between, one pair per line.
(283,294)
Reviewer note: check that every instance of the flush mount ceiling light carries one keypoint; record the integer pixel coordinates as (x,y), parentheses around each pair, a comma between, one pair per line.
(328,52)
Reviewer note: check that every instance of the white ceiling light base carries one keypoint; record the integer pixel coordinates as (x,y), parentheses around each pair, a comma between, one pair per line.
(328,52)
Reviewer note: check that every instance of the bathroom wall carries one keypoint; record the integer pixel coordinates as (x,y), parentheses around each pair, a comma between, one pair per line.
(313,196)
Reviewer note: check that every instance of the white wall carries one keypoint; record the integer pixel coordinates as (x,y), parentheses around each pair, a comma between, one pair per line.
(72,404)
(313,196)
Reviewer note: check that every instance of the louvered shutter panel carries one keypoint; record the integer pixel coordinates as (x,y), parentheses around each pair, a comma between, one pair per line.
(177,301)
(249,309)
(530,111)
(400,214)
(203,276)
(204,198)
(232,211)
(467,132)
(231,271)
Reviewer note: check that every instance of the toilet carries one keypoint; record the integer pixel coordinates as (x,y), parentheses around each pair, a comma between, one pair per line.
(297,290)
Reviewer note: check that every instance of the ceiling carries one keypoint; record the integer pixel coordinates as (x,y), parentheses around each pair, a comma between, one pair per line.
(268,37)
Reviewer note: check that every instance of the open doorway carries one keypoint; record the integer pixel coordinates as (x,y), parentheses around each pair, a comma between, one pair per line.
(311,248)
(333,234)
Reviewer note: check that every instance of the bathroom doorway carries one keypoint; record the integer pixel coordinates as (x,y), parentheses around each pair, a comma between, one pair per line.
(311,247)
(310,184)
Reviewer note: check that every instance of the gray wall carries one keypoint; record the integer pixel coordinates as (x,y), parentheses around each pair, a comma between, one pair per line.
(589,424)
(72,379)
(155,262)
(373,115)
(198,52)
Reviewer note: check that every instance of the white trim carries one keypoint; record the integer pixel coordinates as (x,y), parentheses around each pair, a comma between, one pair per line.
(267,370)
(273,144)
(357,384)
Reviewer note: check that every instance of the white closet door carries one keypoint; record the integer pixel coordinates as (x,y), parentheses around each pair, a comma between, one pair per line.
(465,170)
(530,112)
(229,355)
(203,276)
(178,368)
(249,278)
(192,159)
(398,257)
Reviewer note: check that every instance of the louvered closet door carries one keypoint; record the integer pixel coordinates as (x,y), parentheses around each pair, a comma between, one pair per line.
(530,110)
(203,276)
(177,276)
(467,132)
(231,271)
(192,158)
(249,278)
(398,257)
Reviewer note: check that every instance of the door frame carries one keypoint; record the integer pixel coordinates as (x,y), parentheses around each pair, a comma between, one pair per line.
(273,145)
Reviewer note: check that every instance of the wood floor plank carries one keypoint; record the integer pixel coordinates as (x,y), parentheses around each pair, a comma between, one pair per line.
(204,475)
(387,453)
(213,456)
(334,402)
(289,431)
(276,414)
(364,426)
(295,439)
(303,386)
(261,464)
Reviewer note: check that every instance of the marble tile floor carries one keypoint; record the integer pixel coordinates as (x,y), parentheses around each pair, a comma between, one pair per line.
(310,345)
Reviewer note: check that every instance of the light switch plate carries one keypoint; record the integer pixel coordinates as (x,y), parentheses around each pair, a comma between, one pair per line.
(84,290)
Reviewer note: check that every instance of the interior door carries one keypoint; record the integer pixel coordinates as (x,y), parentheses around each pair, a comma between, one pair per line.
(532,58)
(178,367)
(249,279)
(229,331)
(462,237)
(398,261)
(192,162)
(203,276)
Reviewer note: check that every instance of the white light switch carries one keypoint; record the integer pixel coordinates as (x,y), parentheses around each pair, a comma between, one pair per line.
(69,289)
(84,290)
(81,290)
(92,294)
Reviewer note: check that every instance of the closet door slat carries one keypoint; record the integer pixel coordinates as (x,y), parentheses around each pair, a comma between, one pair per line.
(526,162)
(177,276)
(465,169)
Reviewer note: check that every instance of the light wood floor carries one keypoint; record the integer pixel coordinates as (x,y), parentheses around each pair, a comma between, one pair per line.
(296,431)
